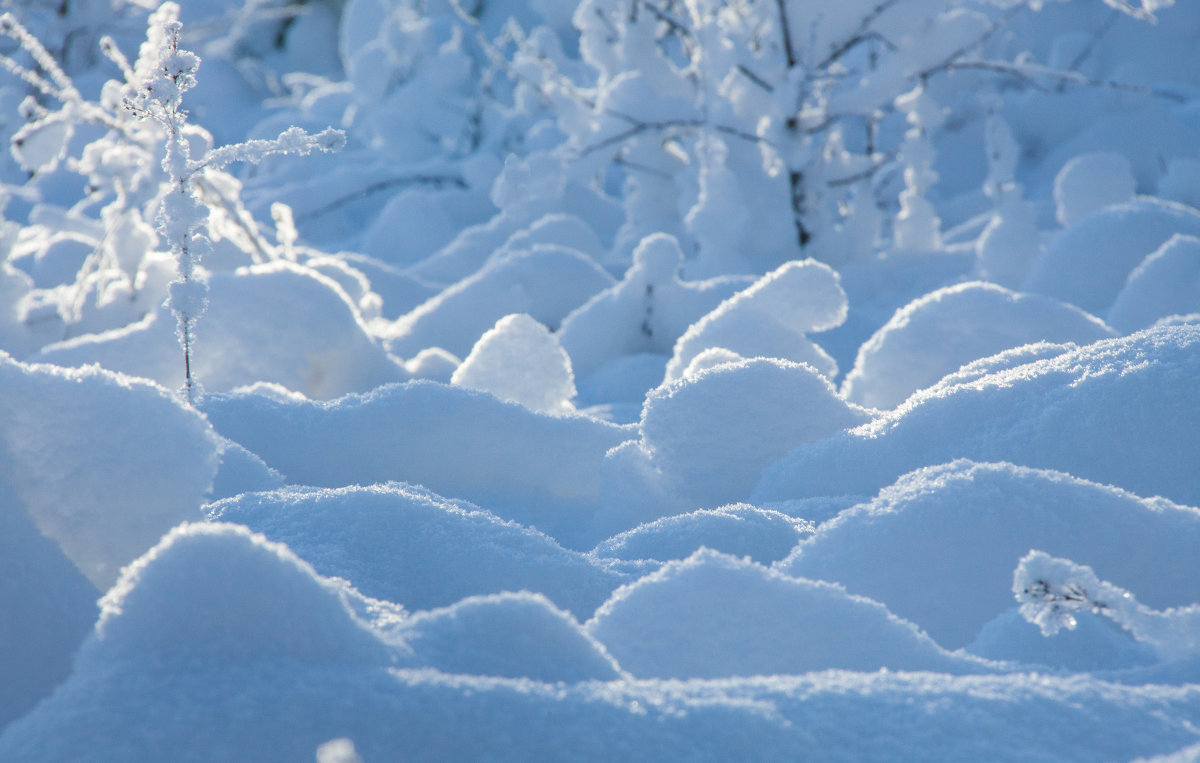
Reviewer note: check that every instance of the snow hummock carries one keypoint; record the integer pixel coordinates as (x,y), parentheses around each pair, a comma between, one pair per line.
(103,464)
(688,621)
(519,360)
(410,546)
(712,434)
(1118,411)
(927,568)
(948,328)
(770,319)
(1090,182)
(1166,283)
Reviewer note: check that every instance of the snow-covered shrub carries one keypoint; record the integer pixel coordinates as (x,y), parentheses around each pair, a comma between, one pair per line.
(152,92)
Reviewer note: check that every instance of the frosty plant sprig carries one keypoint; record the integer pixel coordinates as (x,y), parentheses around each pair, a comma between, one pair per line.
(1051,591)
(183,217)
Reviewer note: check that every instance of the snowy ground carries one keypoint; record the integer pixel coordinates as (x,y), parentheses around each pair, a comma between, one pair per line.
(644,380)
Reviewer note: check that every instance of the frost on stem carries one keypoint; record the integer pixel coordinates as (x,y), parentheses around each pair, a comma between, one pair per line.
(1051,591)
(164,72)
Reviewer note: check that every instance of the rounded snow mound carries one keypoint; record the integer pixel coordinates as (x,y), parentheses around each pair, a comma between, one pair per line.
(408,545)
(940,332)
(939,546)
(519,360)
(1166,283)
(691,620)
(770,319)
(217,592)
(1088,263)
(739,529)
(714,432)
(1119,411)
(512,635)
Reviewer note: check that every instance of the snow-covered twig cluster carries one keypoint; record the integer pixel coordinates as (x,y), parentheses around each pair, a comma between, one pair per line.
(1051,591)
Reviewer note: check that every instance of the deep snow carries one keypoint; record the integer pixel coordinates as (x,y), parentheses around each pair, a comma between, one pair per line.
(674,380)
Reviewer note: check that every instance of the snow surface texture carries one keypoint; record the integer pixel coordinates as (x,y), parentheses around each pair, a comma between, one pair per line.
(1118,411)
(641,381)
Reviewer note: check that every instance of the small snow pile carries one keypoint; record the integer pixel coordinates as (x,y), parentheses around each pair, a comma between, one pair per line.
(546,282)
(689,620)
(645,313)
(770,319)
(216,593)
(1088,264)
(1166,283)
(711,435)
(942,542)
(1120,411)
(519,360)
(407,545)
(514,635)
(104,464)
(538,470)
(948,328)
(1091,182)
(739,530)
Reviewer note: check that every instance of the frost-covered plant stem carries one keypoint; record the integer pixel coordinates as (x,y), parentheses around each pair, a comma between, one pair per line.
(183,216)
(1050,590)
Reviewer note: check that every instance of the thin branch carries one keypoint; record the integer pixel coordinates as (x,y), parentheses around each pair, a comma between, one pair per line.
(674,24)
(879,164)
(434,181)
(756,79)
(642,127)
(862,33)
(788,50)
(1028,73)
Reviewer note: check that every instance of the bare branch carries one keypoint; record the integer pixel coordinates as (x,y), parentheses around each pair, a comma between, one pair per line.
(433,181)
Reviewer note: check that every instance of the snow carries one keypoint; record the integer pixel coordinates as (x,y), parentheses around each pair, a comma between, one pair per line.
(686,621)
(543,380)
(407,545)
(1166,283)
(1118,411)
(654,381)
(770,319)
(952,588)
(948,328)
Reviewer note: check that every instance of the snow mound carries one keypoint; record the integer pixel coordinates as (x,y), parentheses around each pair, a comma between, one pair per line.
(688,620)
(1166,283)
(514,635)
(1120,411)
(770,319)
(103,464)
(1091,182)
(407,545)
(221,594)
(1088,263)
(279,323)
(712,434)
(519,360)
(740,530)
(939,546)
(645,313)
(1094,645)
(546,282)
(538,470)
(48,607)
(947,328)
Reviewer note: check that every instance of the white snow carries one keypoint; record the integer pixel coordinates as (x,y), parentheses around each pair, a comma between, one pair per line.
(638,381)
